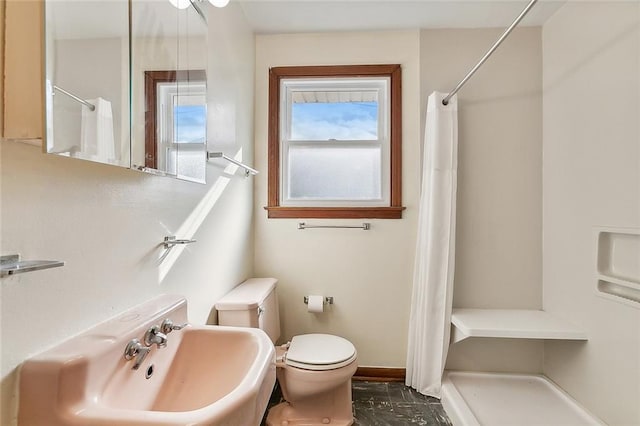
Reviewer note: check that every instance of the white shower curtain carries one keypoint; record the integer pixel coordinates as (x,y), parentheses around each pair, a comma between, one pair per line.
(429,326)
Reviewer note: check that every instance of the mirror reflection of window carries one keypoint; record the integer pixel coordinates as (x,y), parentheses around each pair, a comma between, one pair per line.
(175,140)
(168,57)
(187,118)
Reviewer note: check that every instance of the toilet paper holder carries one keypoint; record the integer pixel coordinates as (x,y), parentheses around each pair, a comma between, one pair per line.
(327,300)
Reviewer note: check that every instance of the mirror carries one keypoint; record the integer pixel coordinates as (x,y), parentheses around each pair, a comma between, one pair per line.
(87,80)
(169,83)
(126,84)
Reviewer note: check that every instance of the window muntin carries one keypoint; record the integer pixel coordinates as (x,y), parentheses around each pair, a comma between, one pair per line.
(346,166)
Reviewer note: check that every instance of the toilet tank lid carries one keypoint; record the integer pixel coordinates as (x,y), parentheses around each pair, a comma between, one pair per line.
(247,295)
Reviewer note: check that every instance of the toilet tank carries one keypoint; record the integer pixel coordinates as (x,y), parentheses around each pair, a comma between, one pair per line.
(253,303)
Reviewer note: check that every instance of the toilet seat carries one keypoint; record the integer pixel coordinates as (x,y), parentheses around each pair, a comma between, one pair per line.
(320,352)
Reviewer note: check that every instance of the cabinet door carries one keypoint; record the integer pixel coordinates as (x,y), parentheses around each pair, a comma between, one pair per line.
(169,59)
(87,80)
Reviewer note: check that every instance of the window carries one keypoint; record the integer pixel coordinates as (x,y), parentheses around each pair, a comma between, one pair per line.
(335,142)
(176,118)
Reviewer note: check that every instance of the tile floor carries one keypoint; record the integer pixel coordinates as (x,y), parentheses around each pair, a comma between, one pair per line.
(389,404)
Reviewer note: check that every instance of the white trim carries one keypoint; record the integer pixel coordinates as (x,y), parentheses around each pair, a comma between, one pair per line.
(381,85)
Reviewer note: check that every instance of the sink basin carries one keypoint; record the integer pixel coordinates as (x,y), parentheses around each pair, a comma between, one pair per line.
(206,375)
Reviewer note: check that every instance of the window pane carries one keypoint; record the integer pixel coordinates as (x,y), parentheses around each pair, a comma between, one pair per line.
(190,164)
(334,115)
(190,123)
(187,162)
(334,173)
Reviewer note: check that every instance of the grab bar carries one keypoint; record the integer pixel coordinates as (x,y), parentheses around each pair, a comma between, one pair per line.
(91,106)
(365,226)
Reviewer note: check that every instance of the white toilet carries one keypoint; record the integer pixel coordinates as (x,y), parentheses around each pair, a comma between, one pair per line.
(314,370)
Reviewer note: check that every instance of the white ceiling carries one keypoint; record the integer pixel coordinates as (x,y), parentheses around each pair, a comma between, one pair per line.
(290,16)
(108,18)
(83,19)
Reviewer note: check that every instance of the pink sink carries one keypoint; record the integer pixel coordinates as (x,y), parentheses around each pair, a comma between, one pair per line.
(206,375)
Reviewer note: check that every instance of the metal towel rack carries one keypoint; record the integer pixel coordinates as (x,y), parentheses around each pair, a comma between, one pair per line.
(247,170)
(171,241)
(89,105)
(365,226)
(12,264)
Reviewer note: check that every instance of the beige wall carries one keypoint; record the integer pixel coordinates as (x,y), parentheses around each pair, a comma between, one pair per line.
(499,199)
(498,241)
(367,272)
(591,179)
(107,224)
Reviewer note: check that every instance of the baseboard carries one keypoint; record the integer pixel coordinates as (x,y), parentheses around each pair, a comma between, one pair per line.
(380,374)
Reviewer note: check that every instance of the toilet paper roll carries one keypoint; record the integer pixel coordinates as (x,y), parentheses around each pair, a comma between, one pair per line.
(316,304)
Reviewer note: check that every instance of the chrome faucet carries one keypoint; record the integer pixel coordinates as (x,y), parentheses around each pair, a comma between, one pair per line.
(136,350)
(154,336)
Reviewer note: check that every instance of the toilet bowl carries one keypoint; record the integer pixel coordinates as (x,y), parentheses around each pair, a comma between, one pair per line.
(314,370)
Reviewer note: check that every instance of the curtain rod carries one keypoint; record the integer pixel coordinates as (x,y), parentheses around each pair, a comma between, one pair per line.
(91,106)
(445,101)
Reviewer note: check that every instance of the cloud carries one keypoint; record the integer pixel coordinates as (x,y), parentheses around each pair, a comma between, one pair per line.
(342,121)
(191,123)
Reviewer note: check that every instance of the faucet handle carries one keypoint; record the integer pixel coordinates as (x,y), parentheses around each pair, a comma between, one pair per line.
(153,336)
(168,326)
(132,350)
(135,350)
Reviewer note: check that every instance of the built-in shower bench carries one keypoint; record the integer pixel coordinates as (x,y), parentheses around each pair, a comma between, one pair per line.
(486,398)
(511,324)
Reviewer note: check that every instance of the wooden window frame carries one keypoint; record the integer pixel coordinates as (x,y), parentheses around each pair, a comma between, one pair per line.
(151,80)
(394,210)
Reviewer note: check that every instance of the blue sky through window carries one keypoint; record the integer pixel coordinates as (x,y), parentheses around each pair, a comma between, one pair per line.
(190,123)
(334,120)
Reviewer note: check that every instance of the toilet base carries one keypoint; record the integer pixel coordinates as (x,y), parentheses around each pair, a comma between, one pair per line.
(284,414)
(331,407)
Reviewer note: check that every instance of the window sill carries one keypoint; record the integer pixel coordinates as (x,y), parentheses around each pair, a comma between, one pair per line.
(334,212)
